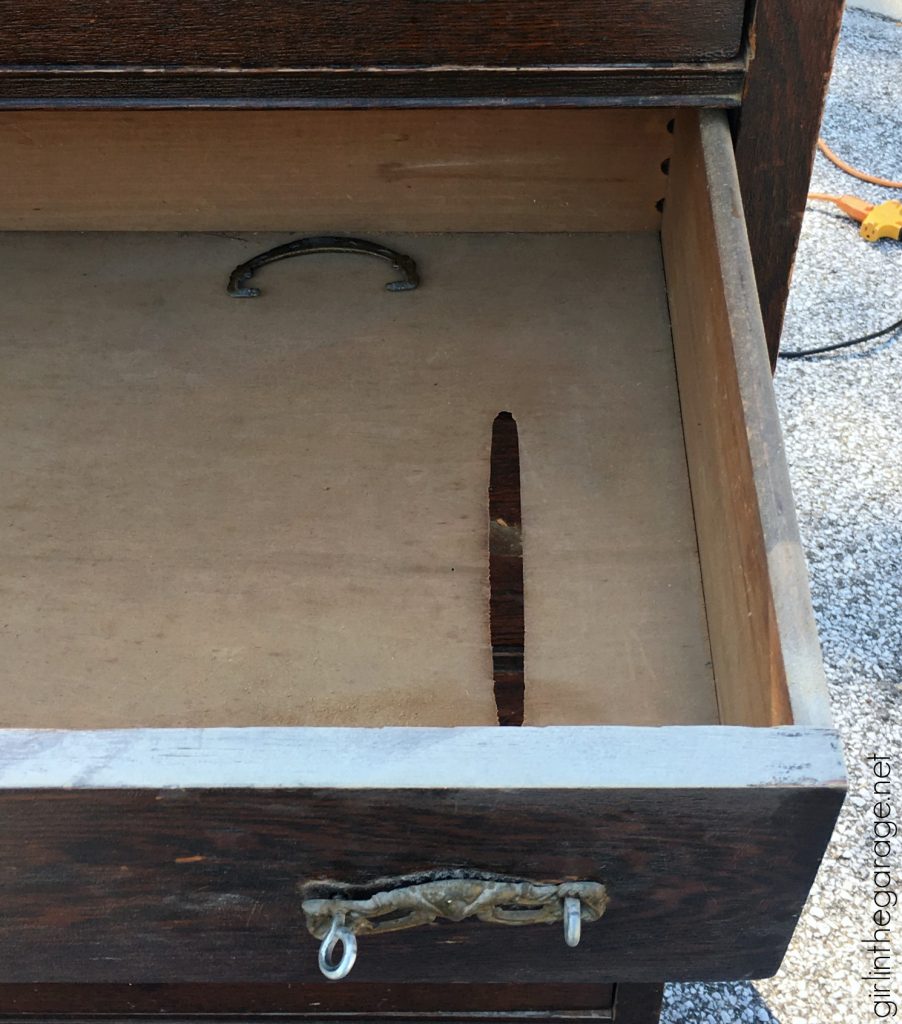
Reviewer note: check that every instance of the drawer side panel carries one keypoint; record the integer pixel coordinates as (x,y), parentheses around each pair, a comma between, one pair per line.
(767,661)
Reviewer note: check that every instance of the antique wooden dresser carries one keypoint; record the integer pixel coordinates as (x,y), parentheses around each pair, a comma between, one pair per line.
(278,561)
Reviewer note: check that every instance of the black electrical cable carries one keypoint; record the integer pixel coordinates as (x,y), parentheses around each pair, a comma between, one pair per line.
(801,353)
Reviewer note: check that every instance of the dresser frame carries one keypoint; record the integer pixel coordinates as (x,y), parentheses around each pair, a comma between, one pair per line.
(775,91)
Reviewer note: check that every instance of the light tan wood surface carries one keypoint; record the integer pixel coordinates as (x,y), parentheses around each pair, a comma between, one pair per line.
(274,511)
(327,170)
(763,639)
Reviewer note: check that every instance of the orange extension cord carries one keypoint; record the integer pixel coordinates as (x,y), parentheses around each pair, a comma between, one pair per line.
(854,207)
(872,179)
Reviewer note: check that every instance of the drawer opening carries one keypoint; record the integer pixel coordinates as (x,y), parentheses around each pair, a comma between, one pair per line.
(274,512)
(225,520)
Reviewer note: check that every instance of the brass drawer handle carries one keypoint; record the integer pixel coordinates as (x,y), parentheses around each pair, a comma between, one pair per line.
(405,265)
(338,920)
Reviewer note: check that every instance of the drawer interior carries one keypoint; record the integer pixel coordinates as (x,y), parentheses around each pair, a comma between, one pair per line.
(236,512)
(275,511)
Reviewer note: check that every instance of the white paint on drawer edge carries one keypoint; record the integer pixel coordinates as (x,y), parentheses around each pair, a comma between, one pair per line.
(553,757)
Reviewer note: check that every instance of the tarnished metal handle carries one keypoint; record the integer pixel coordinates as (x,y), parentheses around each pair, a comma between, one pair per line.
(510,902)
(405,265)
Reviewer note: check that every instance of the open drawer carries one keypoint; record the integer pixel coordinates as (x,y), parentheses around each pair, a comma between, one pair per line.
(247,657)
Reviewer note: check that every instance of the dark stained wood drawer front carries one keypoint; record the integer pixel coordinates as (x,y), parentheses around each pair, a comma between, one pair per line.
(458,1004)
(366,53)
(356,34)
(251,658)
(179,856)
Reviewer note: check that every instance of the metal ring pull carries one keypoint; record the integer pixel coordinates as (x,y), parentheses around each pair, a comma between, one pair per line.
(405,265)
(573,921)
(338,934)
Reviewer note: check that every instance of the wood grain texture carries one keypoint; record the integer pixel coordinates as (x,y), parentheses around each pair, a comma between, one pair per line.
(761,625)
(111,882)
(353,1000)
(529,758)
(618,85)
(329,171)
(274,511)
(776,131)
(506,623)
(363,1017)
(363,33)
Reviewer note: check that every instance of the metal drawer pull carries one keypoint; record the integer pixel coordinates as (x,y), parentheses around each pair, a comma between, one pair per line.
(405,265)
(338,921)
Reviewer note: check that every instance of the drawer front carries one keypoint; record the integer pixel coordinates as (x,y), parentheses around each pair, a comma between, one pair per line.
(182,855)
(254,1001)
(359,34)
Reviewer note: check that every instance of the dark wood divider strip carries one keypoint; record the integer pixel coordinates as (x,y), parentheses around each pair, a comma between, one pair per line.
(506,615)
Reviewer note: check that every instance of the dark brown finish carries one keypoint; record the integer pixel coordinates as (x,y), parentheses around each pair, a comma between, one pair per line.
(617,85)
(432,1017)
(201,885)
(793,45)
(213,1016)
(637,1004)
(320,999)
(506,571)
(355,34)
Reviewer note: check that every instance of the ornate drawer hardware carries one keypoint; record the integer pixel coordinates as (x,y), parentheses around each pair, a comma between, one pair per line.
(405,265)
(338,921)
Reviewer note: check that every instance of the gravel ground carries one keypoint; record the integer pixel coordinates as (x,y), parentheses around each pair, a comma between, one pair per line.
(842,418)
